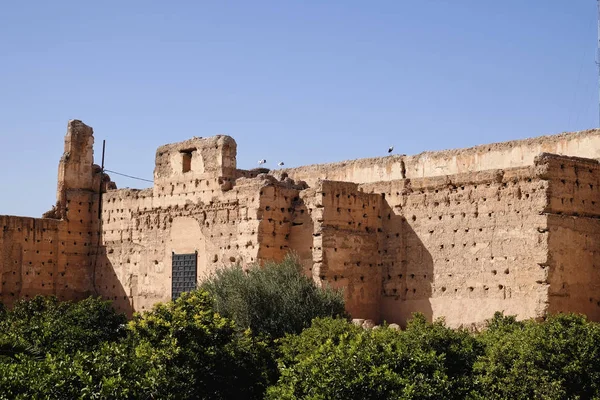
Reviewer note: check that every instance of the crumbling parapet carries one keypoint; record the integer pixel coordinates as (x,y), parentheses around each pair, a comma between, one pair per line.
(75,166)
(458,234)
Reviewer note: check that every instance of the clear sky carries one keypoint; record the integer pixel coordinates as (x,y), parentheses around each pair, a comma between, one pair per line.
(299,81)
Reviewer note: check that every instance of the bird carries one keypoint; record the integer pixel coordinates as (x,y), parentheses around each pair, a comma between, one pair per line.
(390,149)
(261,162)
(281,163)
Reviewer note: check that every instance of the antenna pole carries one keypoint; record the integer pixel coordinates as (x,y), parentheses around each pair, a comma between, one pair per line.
(102,176)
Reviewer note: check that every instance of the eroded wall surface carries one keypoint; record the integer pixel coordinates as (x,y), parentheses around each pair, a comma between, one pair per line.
(196,206)
(453,242)
(29,258)
(457,234)
(517,153)
(346,245)
(54,255)
(574,235)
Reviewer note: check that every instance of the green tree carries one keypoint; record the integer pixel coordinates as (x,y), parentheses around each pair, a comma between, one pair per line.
(46,324)
(274,299)
(555,359)
(206,356)
(334,359)
(178,350)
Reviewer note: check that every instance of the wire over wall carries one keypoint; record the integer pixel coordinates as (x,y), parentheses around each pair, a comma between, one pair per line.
(128,176)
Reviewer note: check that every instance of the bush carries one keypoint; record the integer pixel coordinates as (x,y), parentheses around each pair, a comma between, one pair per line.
(206,356)
(178,350)
(49,325)
(113,371)
(274,299)
(334,359)
(556,359)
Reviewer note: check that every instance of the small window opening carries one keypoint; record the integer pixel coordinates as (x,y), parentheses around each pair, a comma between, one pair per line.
(186,160)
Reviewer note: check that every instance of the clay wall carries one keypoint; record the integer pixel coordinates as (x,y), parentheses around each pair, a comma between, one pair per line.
(29,258)
(52,256)
(452,242)
(139,239)
(346,229)
(573,213)
(197,169)
(242,221)
(276,214)
(518,153)
(457,234)
(78,241)
(43,256)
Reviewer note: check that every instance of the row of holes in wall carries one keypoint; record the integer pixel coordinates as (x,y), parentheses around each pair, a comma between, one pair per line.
(452,188)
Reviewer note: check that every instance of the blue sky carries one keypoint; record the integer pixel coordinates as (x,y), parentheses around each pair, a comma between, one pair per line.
(299,81)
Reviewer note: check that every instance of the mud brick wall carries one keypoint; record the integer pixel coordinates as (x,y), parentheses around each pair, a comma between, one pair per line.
(458,234)
(139,239)
(517,153)
(196,205)
(52,256)
(453,242)
(29,258)
(574,234)
(347,226)
(276,214)
(48,256)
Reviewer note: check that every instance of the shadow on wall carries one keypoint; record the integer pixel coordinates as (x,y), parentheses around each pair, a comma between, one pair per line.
(108,285)
(407,272)
(301,236)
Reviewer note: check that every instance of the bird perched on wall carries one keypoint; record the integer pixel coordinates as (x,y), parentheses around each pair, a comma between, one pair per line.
(390,149)
(281,163)
(261,162)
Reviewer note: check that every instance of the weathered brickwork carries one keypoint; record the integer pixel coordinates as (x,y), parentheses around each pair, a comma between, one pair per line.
(452,242)
(459,234)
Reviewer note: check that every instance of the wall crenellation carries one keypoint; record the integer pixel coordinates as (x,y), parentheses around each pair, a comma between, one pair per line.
(460,234)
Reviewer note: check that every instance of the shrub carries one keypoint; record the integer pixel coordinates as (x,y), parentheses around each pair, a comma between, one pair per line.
(334,359)
(555,359)
(49,325)
(178,350)
(274,299)
(112,371)
(205,355)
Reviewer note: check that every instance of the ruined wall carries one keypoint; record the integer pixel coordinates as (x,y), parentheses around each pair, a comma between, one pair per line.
(195,170)
(140,237)
(347,226)
(518,153)
(276,210)
(453,242)
(574,234)
(51,256)
(29,252)
(196,205)
(437,245)
(458,234)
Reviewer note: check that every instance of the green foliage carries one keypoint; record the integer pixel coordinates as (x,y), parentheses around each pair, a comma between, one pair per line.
(187,350)
(208,358)
(334,359)
(459,348)
(274,299)
(44,324)
(179,350)
(555,359)
(113,371)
